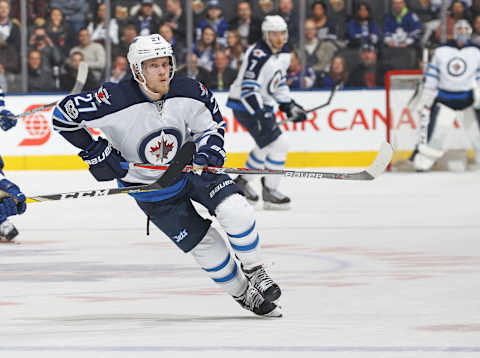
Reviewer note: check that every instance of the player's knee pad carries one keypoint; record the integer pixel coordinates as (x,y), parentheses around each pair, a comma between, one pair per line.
(276,152)
(212,250)
(235,214)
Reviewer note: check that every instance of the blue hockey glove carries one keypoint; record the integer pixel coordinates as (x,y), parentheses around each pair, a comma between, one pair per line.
(103,160)
(294,111)
(14,201)
(208,155)
(5,122)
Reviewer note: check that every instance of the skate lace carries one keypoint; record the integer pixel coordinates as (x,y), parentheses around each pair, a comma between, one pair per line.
(253,299)
(261,280)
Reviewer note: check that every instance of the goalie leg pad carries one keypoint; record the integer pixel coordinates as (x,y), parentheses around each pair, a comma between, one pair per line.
(426,157)
(237,218)
(215,259)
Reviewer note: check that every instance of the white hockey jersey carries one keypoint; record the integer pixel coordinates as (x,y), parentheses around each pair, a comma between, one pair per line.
(453,69)
(143,130)
(261,80)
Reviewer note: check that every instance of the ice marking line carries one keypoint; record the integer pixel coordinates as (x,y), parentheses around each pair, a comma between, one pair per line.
(339,265)
(242,348)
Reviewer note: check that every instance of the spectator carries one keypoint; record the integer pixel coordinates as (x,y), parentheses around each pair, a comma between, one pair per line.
(147,21)
(120,70)
(221,77)
(216,21)
(205,48)
(9,31)
(285,10)
(35,9)
(294,74)
(249,28)
(73,12)
(369,73)
(38,79)
(59,32)
(68,75)
(235,50)
(97,28)
(362,29)
(457,12)
(402,27)
(9,58)
(176,18)
(128,35)
(179,47)
(267,7)
(93,53)
(197,71)
(121,16)
(338,74)
(339,17)
(319,53)
(475,39)
(157,10)
(475,8)
(428,13)
(51,55)
(325,27)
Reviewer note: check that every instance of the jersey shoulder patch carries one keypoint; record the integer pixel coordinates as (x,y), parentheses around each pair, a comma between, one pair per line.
(189,88)
(108,98)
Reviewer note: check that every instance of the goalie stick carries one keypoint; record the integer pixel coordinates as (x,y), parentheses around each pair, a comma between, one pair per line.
(181,159)
(375,169)
(77,88)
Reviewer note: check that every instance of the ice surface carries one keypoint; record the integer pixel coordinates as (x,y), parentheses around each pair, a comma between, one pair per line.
(387,268)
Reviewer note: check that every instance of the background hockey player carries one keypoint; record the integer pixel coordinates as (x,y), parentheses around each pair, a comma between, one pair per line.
(147,119)
(12,201)
(450,92)
(259,86)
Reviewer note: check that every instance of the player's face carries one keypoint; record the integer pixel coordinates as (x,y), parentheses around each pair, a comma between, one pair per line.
(157,74)
(277,39)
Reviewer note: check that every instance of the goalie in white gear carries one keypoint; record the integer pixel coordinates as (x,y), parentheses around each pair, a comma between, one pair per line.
(147,119)
(259,86)
(450,92)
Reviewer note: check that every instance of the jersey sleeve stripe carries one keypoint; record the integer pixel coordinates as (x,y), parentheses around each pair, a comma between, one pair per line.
(434,67)
(253,83)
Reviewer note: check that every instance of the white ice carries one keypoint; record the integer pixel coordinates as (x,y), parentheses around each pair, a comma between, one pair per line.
(387,268)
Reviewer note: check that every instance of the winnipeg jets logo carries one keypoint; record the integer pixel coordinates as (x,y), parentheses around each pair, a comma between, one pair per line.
(160,147)
(456,67)
(259,53)
(161,150)
(102,95)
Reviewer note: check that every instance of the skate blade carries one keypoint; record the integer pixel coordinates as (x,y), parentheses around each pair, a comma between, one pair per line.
(272,206)
(276,313)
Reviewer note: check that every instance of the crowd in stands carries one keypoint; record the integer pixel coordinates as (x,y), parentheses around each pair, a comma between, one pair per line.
(352,42)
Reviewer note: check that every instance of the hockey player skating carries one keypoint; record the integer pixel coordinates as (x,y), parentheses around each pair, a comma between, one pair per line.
(451,91)
(12,201)
(147,120)
(259,86)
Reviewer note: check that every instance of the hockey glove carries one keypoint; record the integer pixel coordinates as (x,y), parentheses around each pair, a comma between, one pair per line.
(261,116)
(5,122)
(208,155)
(103,160)
(295,113)
(12,200)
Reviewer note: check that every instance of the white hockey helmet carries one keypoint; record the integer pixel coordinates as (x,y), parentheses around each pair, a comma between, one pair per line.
(462,31)
(145,48)
(273,23)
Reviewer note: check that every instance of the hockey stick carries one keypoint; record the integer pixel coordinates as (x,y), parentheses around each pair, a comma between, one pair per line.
(181,159)
(77,88)
(375,169)
(332,93)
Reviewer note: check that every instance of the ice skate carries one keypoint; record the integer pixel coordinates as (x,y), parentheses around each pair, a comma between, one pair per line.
(273,199)
(259,278)
(247,189)
(253,301)
(8,231)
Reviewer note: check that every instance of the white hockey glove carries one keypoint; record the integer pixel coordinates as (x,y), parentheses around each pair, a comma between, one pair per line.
(426,101)
(476,94)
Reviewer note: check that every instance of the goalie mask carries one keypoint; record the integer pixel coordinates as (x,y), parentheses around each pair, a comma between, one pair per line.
(274,23)
(462,31)
(145,48)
